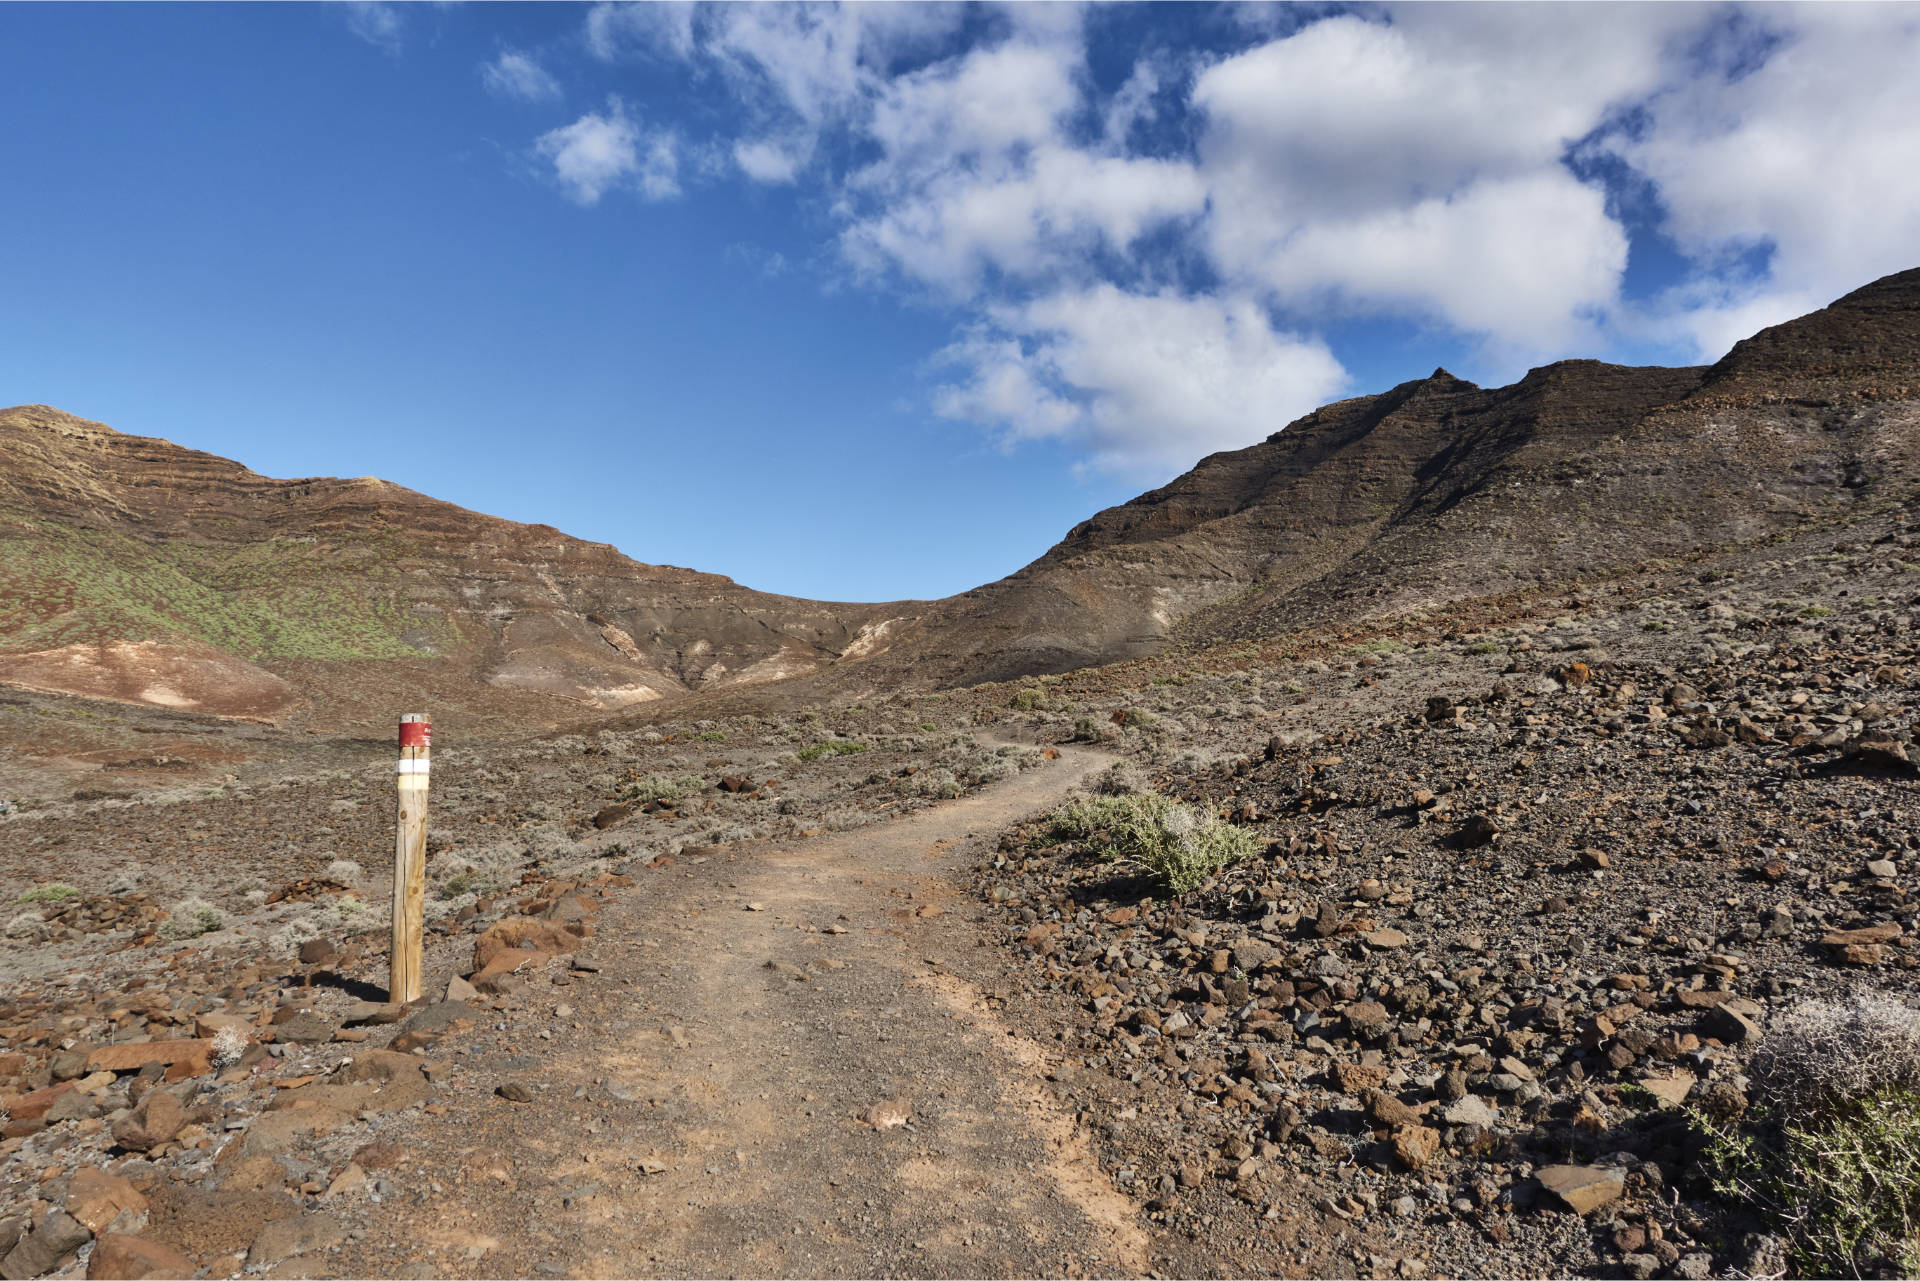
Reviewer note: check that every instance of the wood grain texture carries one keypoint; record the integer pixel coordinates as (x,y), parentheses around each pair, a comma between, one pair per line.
(410,859)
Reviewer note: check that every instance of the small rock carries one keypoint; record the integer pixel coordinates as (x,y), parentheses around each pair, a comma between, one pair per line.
(1671,1088)
(155,1120)
(103,1202)
(1584,1188)
(305,1028)
(119,1257)
(516,1092)
(57,1239)
(887,1114)
(1735,1021)
(1415,1145)
(1471,1110)
(458,989)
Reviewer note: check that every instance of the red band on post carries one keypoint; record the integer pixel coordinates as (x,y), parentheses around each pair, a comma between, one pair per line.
(415,733)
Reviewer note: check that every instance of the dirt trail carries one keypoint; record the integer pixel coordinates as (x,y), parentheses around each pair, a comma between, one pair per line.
(697,1111)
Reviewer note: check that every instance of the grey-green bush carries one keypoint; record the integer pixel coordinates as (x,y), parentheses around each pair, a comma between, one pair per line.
(1175,844)
(1831,1151)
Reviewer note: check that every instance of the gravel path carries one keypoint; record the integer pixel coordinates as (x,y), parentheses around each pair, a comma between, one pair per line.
(722,1098)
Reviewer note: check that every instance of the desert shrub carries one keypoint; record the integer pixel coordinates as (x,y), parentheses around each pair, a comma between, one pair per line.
(711,736)
(1174,844)
(831,747)
(192,917)
(936,784)
(229,1044)
(51,893)
(1831,1152)
(1138,718)
(658,787)
(1119,779)
(345,871)
(286,940)
(1086,730)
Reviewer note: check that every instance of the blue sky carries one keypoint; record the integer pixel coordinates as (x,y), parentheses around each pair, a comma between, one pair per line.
(876,302)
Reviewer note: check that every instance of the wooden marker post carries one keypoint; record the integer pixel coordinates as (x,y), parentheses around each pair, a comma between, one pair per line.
(410,858)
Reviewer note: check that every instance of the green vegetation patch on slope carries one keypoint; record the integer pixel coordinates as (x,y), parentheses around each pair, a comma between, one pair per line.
(61,585)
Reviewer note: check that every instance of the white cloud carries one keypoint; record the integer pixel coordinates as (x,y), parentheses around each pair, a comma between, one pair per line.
(977,174)
(1416,166)
(377,23)
(519,75)
(1144,382)
(765,160)
(1809,157)
(602,151)
(1413,162)
(1529,260)
(614,27)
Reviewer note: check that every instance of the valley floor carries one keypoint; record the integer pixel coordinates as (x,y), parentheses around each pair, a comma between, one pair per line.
(1527,888)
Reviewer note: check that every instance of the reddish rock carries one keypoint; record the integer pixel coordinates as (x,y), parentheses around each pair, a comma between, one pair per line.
(131,1058)
(1584,1188)
(103,1202)
(522,934)
(119,1257)
(1885,932)
(504,962)
(1415,1145)
(155,1120)
(31,1107)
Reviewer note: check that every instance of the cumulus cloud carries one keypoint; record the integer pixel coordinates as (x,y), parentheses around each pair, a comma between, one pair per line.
(1805,160)
(602,151)
(519,75)
(1143,382)
(1415,166)
(978,174)
(1140,267)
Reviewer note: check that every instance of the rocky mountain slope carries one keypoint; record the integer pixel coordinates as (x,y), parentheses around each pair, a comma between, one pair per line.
(1439,490)
(133,569)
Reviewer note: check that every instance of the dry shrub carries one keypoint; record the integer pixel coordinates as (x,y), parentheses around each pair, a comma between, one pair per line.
(1826,1055)
(1831,1153)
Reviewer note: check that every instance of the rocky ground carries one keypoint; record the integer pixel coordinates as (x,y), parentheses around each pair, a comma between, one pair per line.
(1533,877)
(1526,898)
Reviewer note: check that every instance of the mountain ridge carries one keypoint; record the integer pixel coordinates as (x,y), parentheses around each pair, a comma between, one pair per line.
(341,594)
(1437,490)
(116,544)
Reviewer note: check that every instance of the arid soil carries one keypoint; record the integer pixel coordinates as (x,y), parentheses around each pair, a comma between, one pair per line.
(1533,880)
